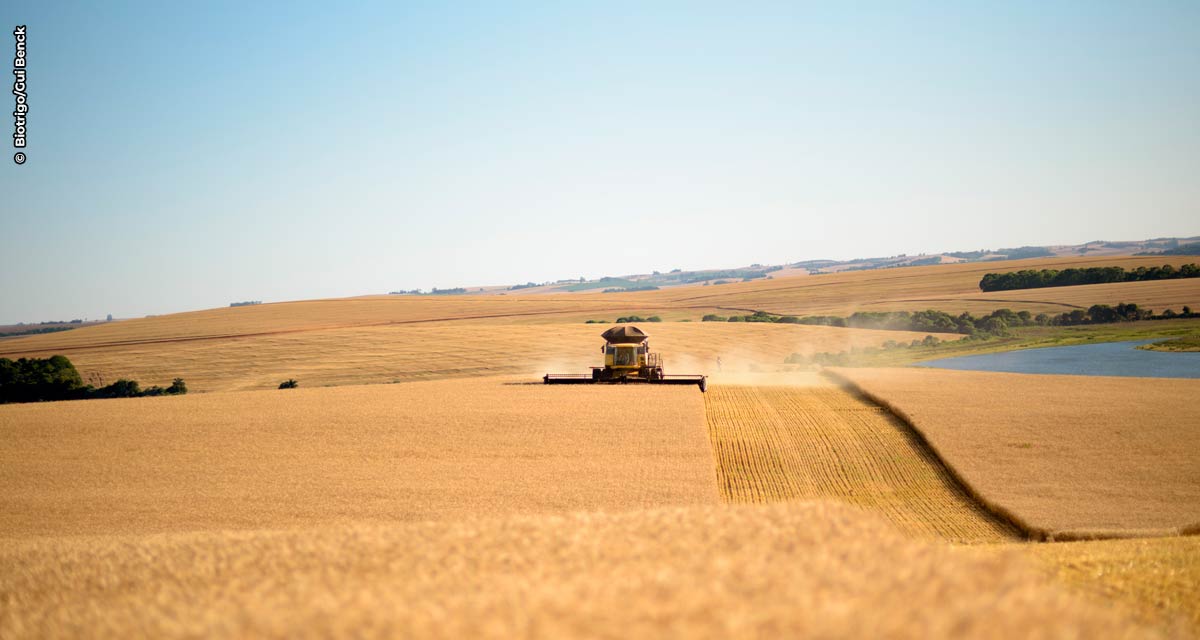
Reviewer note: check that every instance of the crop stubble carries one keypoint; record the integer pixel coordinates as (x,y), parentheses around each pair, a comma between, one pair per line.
(1067,456)
(816,441)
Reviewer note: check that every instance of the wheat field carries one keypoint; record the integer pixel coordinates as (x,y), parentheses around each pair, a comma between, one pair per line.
(382,453)
(1157,579)
(813,440)
(952,288)
(782,438)
(793,570)
(1065,456)
(429,351)
(471,501)
(376,339)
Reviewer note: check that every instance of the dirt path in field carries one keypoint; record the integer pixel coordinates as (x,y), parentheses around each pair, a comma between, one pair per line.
(776,443)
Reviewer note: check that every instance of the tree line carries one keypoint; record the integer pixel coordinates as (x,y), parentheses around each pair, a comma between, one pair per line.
(33,331)
(55,378)
(627,319)
(1039,278)
(995,323)
(1192,249)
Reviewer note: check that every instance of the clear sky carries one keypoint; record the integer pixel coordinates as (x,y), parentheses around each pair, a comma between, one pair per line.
(185,157)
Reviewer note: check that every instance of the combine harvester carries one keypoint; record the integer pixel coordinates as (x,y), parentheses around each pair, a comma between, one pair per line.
(627,358)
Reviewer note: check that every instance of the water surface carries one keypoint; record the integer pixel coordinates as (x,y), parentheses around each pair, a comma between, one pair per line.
(1102,359)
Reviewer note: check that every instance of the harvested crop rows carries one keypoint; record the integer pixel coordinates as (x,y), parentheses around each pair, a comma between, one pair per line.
(1077,457)
(776,443)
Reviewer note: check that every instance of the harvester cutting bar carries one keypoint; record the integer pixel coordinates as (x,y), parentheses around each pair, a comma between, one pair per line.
(701,381)
(569,378)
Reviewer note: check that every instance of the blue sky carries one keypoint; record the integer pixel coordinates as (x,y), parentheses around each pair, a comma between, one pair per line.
(187,157)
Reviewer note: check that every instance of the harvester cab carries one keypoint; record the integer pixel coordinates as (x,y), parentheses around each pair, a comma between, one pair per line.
(627,358)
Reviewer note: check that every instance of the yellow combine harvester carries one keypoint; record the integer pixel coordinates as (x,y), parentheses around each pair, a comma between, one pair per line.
(627,358)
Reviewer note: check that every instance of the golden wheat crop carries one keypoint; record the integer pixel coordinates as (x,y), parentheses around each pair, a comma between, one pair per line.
(381,453)
(375,332)
(787,442)
(952,288)
(1067,456)
(796,570)
(1158,579)
(389,509)
(365,355)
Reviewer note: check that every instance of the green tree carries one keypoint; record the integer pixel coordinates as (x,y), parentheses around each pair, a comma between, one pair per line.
(120,389)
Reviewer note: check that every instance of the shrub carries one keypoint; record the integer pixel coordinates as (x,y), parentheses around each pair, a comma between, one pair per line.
(290,383)
(119,389)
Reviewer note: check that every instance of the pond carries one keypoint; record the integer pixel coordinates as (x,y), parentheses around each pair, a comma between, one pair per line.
(1103,359)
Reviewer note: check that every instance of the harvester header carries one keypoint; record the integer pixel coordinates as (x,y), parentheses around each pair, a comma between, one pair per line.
(627,359)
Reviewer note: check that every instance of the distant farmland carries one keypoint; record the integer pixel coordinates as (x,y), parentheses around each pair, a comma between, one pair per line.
(397,338)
